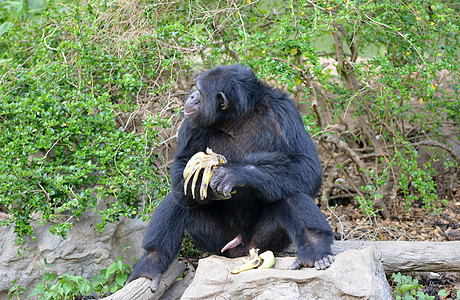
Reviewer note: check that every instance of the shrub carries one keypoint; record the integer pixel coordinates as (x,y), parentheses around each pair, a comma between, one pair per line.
(67,145)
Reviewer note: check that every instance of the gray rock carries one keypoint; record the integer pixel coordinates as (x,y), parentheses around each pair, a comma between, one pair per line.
(356,274)
(84,252)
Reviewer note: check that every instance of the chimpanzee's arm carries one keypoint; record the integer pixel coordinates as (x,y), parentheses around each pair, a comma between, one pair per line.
(273,174)
(289,166)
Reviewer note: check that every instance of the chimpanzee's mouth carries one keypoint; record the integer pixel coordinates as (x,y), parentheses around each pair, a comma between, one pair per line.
(188,112)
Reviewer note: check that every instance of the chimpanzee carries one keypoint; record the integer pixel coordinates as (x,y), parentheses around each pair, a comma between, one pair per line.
(261,198)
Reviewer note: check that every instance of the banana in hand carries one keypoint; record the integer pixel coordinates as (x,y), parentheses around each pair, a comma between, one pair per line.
(207,161)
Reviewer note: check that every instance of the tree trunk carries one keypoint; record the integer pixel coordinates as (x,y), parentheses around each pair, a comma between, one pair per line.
(402,256)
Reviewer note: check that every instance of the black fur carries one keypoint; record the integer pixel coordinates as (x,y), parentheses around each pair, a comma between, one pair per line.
(272,165)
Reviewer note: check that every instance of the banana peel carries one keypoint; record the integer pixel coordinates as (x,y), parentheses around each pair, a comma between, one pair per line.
(255,260)
(207,161)
(268,260)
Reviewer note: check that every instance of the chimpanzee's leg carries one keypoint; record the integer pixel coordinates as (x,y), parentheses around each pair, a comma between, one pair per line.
(162,239)
(270,233)
(308,228)
(209,231)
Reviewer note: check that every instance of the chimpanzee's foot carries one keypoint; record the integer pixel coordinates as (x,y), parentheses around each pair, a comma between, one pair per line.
(320,264)
(147,266)
(155,283)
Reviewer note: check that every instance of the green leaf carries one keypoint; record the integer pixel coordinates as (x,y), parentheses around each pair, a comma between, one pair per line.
(121,279)
(443,293)
(119,264)
(5,27)
(407,287)
(111,270)
(49,277)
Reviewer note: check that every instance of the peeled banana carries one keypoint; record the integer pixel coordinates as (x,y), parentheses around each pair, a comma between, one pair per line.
(207,161)
(255,260)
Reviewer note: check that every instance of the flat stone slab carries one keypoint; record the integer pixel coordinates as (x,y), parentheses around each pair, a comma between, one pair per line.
(356,274)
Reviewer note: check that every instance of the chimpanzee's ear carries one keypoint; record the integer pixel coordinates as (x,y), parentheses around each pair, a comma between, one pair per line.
(224,102)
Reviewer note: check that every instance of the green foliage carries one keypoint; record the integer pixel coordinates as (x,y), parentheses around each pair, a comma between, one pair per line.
(64,150)
(16,290)
(69,286)
(13,11)
(366,205)
(113,278)
(408,288)
(189,249)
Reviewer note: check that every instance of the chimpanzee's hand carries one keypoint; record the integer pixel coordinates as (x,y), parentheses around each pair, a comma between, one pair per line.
(224,181)
(214,195)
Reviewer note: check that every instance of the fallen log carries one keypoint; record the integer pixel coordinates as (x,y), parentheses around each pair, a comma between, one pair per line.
(405,256)
(396,256)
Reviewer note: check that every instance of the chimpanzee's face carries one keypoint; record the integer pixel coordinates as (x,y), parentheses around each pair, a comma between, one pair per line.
(207,106)
(193,104)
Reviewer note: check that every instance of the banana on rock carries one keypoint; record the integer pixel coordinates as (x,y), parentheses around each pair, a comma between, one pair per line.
(253,262)
(264,261)
(268,260)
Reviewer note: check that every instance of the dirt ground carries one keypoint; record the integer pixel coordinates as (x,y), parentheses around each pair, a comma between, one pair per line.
(413,225)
